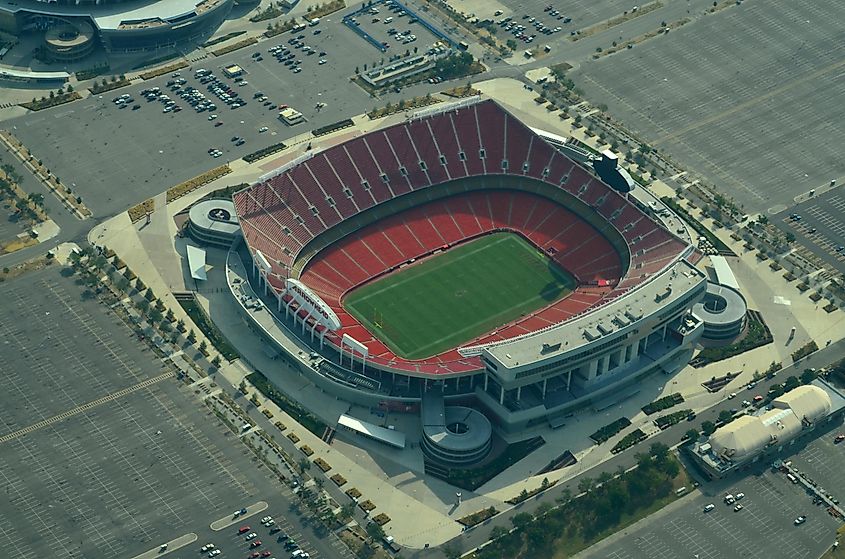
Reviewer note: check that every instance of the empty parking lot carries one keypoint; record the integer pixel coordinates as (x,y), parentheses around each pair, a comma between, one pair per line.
(102,452)
(748,97)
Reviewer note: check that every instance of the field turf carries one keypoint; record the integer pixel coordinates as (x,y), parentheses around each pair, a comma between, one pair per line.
(453,297)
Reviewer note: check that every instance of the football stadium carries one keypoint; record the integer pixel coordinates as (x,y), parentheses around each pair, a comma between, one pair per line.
(460,266)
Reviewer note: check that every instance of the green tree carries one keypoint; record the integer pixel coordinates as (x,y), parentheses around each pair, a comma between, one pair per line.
(156,315)
(791,383)
(143,305)
(725,416)
(203,346)
(776,391)
(708,427)
(521,520)
(808,376)
(192,337)
(304,464)
(692,435)
(498,532)
(149,295)
(375,531)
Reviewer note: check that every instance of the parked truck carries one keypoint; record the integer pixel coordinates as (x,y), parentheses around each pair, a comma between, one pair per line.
(390,544)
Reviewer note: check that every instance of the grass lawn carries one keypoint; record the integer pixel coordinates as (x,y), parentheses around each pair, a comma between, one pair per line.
(458,295)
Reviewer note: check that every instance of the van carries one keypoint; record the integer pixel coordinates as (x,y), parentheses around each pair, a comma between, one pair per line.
(388,19)
(792,478)
(246,427)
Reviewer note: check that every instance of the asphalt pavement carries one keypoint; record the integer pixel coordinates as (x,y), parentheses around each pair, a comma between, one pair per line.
(477,536)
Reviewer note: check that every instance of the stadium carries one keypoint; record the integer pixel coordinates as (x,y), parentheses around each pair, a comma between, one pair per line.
(460,257)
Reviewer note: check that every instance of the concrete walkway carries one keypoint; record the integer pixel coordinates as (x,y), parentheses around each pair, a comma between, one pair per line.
(422,509)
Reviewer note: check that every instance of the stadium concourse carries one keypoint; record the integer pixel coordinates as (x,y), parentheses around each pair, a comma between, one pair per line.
(328,222)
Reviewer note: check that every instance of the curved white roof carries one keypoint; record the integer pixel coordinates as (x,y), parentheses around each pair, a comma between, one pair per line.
(805,401)
(749,434)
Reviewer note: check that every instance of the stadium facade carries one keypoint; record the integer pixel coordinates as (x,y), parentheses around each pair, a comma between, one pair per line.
(329,221)
(72,29)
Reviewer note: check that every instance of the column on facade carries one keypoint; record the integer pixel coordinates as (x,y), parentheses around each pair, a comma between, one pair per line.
(544,387)
(518,393)
(501,395)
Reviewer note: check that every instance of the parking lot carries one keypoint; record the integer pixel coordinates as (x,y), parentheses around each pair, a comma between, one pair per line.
(582,14)
(765,526)
(822,225)
(104,453)
(391,26)
(117,157)
(747,97)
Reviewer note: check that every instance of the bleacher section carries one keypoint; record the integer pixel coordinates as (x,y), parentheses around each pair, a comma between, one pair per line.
(383,247)
(292,216)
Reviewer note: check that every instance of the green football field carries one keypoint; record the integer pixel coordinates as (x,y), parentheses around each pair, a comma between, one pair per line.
(451,298)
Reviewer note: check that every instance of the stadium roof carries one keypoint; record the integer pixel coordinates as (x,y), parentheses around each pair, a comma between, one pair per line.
(113,15)
(604,320)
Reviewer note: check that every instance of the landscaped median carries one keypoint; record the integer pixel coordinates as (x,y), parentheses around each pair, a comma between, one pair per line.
(663,403)
(289,405)
(234,46)
(139,211)
(478,517)
(264,152)
(52,101)
(403,105)
(176,192)
(106,85)
(150,74)
(610,430)
(41,172)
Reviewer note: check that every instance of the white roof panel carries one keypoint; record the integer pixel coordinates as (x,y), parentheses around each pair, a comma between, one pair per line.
(387,436)
(196,263)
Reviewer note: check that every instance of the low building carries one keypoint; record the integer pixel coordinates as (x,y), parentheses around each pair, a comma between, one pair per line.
(791,418)
(213,222)
(291,116)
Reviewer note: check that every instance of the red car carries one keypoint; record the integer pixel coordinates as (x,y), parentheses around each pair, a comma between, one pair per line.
(256,543)
(243,529)
(266,554)
(254,555)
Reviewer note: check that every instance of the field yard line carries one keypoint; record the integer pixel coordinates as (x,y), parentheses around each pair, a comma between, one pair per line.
(438,265)
(489,317)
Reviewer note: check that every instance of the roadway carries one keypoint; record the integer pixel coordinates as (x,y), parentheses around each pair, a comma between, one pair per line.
(477,536)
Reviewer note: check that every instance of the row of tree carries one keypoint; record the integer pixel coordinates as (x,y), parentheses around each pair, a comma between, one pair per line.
(608,499)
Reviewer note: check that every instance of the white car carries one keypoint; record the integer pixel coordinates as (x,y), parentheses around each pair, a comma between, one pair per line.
(264,129)
(251,536)
(322,61)
(212,117)
(207,547)
(214,553)
(266,518)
